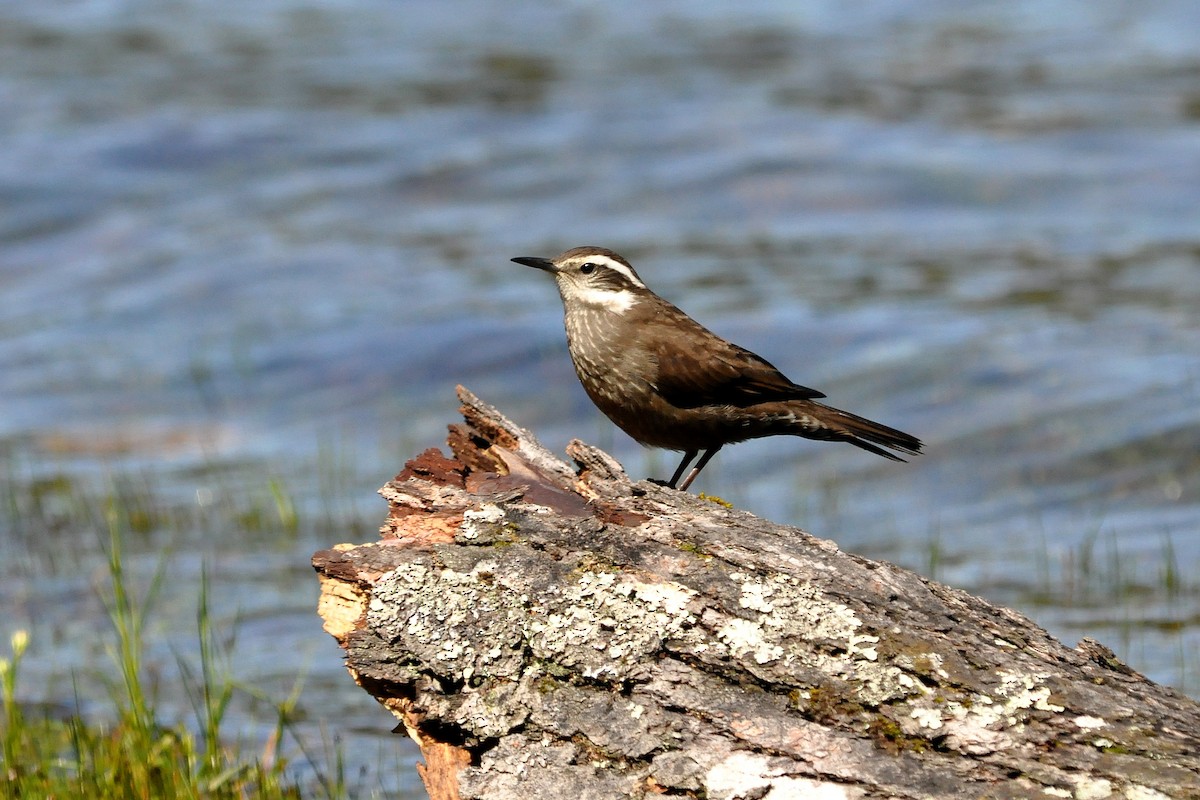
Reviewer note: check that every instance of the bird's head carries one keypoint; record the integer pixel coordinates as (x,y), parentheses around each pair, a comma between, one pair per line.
(592,277)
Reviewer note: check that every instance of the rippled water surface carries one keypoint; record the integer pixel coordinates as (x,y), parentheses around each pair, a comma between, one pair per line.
(247,251)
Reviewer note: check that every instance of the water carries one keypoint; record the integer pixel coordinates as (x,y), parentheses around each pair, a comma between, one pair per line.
(255,247)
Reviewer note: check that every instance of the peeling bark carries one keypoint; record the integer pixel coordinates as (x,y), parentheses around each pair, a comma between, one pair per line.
(549,631)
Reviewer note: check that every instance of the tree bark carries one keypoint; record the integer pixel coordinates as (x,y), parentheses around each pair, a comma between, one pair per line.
(553,631)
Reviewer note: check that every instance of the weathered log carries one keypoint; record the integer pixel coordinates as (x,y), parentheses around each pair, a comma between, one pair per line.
(544,631)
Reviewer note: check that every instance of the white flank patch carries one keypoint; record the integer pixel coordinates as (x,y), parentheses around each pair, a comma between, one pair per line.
(616,302)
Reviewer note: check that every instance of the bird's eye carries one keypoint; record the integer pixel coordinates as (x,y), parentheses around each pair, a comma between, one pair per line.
(588,268)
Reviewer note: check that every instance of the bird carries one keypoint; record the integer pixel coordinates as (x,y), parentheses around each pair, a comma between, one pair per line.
(671,383)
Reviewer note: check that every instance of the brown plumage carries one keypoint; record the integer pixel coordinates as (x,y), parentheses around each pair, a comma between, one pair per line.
(669,382)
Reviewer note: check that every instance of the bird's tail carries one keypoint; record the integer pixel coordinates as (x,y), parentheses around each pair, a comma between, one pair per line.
(861,432)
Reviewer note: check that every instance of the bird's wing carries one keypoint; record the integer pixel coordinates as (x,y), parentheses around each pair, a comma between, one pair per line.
(716,373)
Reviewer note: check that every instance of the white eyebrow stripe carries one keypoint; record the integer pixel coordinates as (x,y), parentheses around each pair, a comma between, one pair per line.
(617,266)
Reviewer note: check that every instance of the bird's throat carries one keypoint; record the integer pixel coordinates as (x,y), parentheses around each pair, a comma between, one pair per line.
(615,302)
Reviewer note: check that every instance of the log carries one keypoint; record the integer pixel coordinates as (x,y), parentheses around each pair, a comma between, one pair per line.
(548,630)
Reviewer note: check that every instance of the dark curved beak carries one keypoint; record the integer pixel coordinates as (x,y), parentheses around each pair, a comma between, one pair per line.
(537,263)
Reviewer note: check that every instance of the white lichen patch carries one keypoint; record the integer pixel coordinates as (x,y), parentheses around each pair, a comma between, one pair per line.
(880,684)
(929,718)
(624,618)
(755,595)
(488,619)
(788,615)
(978,725)
(738,774)
(743,774)
(1024,691)
(1089,723)
(928,662)
(670,598)
(1138,792)
(1091,788)
(474,623)
(1016,694)
(744,637)
(783,601)
(806,789)
(475,523)
(443,615)
(864,646)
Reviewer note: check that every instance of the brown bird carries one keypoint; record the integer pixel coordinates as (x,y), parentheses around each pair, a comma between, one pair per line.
(669,382)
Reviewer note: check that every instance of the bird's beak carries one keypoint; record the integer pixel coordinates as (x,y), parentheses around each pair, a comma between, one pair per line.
(537,263)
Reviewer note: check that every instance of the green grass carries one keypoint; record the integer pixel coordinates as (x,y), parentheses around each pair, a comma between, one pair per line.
(133,753)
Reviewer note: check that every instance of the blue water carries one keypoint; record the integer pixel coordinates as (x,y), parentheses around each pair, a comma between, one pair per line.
(252,244)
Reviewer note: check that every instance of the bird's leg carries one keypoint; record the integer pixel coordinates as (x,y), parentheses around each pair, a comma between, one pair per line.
(704,459)
(687,459)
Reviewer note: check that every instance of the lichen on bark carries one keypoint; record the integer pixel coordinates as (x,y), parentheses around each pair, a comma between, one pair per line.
(549,631)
